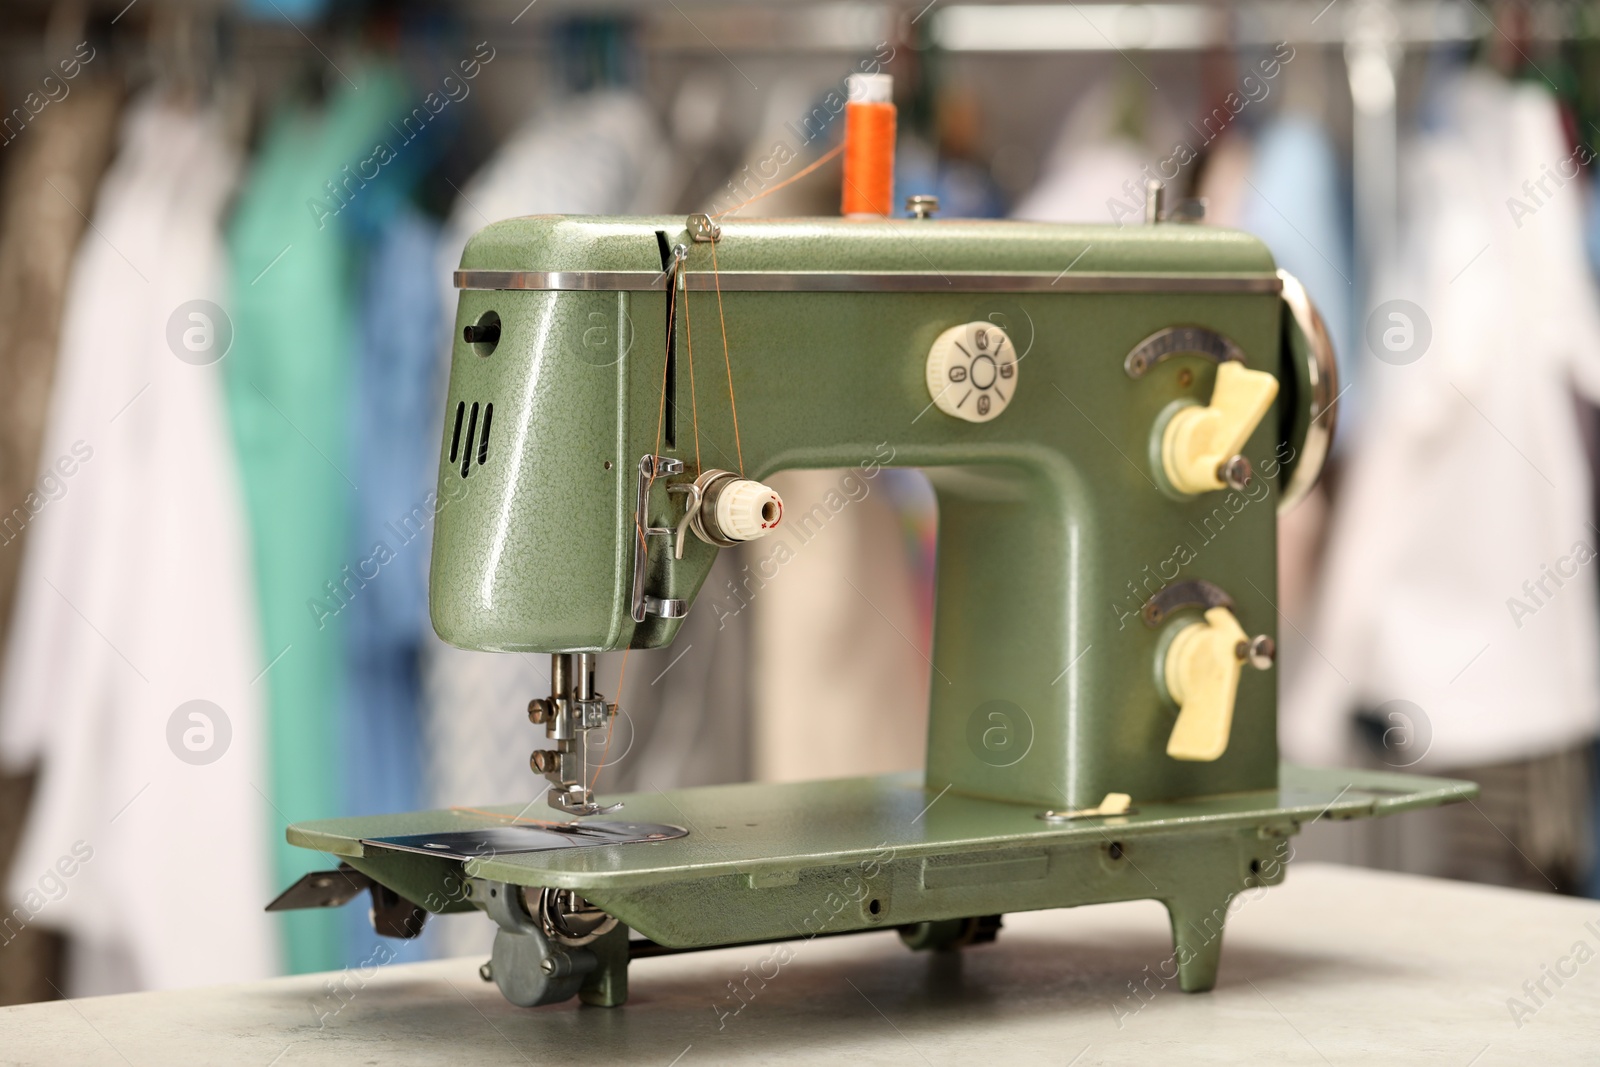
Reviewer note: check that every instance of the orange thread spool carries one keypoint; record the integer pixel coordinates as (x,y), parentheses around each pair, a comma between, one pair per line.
(869,126)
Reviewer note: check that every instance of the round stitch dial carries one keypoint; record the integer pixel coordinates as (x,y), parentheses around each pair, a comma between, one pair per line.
(972,371)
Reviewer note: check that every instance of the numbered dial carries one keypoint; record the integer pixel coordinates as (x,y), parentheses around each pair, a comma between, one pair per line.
(972,371)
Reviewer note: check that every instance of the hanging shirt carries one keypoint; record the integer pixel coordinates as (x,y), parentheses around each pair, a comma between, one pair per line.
(1461,564)
(1224,181)
(133,658)
(1096,170)
(51,176)
(395,450)
(295,279)
(1294,201)
(52,179)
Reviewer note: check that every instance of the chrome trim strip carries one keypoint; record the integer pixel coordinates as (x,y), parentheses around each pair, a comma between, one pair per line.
(869,281)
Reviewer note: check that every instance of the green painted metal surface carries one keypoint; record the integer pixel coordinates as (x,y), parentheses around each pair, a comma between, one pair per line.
(1053,526)
(770,861)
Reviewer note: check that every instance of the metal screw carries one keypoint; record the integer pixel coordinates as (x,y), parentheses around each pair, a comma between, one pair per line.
(548,965)
(543,760)
(539,710)
(486,972)
(1235,473)
(922,206)
(1155,202)
(1261,652)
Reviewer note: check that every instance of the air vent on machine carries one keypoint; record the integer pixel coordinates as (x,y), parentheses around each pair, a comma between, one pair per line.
(476,435)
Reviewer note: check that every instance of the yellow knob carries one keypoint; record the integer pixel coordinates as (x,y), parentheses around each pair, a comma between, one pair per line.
(1202,674)
(1198,441)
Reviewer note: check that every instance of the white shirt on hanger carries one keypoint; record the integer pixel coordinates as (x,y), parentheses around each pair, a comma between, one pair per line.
(137,598)
(1469,486)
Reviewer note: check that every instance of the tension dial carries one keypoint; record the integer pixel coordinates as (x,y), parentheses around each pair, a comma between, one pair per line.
(972,371)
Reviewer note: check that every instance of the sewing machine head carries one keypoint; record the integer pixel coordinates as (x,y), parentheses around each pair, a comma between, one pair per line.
(1111,419)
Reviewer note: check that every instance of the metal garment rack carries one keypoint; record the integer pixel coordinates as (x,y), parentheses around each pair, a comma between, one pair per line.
(1373,35)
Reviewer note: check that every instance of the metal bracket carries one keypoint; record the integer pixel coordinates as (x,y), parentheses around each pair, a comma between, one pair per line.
(392,914)
(651,467)
(703,230)
(323,889)
(691,512)
(1180,341)
(1195,593)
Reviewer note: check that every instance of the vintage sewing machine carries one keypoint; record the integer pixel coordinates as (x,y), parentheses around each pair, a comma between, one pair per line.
(1111,418)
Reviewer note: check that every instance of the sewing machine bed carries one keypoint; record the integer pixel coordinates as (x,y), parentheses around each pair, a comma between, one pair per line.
(770,861)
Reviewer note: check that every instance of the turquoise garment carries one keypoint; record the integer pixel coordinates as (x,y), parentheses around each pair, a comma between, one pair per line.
(288,383)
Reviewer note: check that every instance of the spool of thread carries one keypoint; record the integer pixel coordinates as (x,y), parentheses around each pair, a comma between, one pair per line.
(869,122)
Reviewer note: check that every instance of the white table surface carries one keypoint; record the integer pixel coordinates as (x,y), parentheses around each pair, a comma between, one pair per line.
(1336,966)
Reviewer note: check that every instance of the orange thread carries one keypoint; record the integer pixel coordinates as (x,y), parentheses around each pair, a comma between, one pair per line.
(508,818)
(604,752)
(868,159)
(826,157)
(738,446)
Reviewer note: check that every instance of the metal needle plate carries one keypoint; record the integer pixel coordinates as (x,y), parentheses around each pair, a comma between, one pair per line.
(526,837)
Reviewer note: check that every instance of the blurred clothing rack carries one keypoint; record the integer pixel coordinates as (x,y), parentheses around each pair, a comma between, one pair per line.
(843,26)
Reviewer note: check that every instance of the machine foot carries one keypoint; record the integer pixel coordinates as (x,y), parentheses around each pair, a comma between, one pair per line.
(949,934)
(607,985)
(1197,923)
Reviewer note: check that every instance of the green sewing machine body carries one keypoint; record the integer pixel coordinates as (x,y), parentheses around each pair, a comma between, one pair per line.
(1068,563)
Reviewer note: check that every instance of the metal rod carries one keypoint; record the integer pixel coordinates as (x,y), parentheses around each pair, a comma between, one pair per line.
(561,675)
(585,676)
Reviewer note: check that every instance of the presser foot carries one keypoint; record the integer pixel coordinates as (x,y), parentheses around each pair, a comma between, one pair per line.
(571,711)
(576,800)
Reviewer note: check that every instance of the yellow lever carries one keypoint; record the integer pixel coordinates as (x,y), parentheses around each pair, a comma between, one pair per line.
(1202,674)
(1198,441)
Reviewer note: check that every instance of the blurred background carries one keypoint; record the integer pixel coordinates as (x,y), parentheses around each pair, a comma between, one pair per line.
(226,232)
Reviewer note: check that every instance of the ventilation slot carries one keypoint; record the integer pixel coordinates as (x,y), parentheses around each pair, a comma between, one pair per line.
(461,451)
(472,431)
(483,442)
